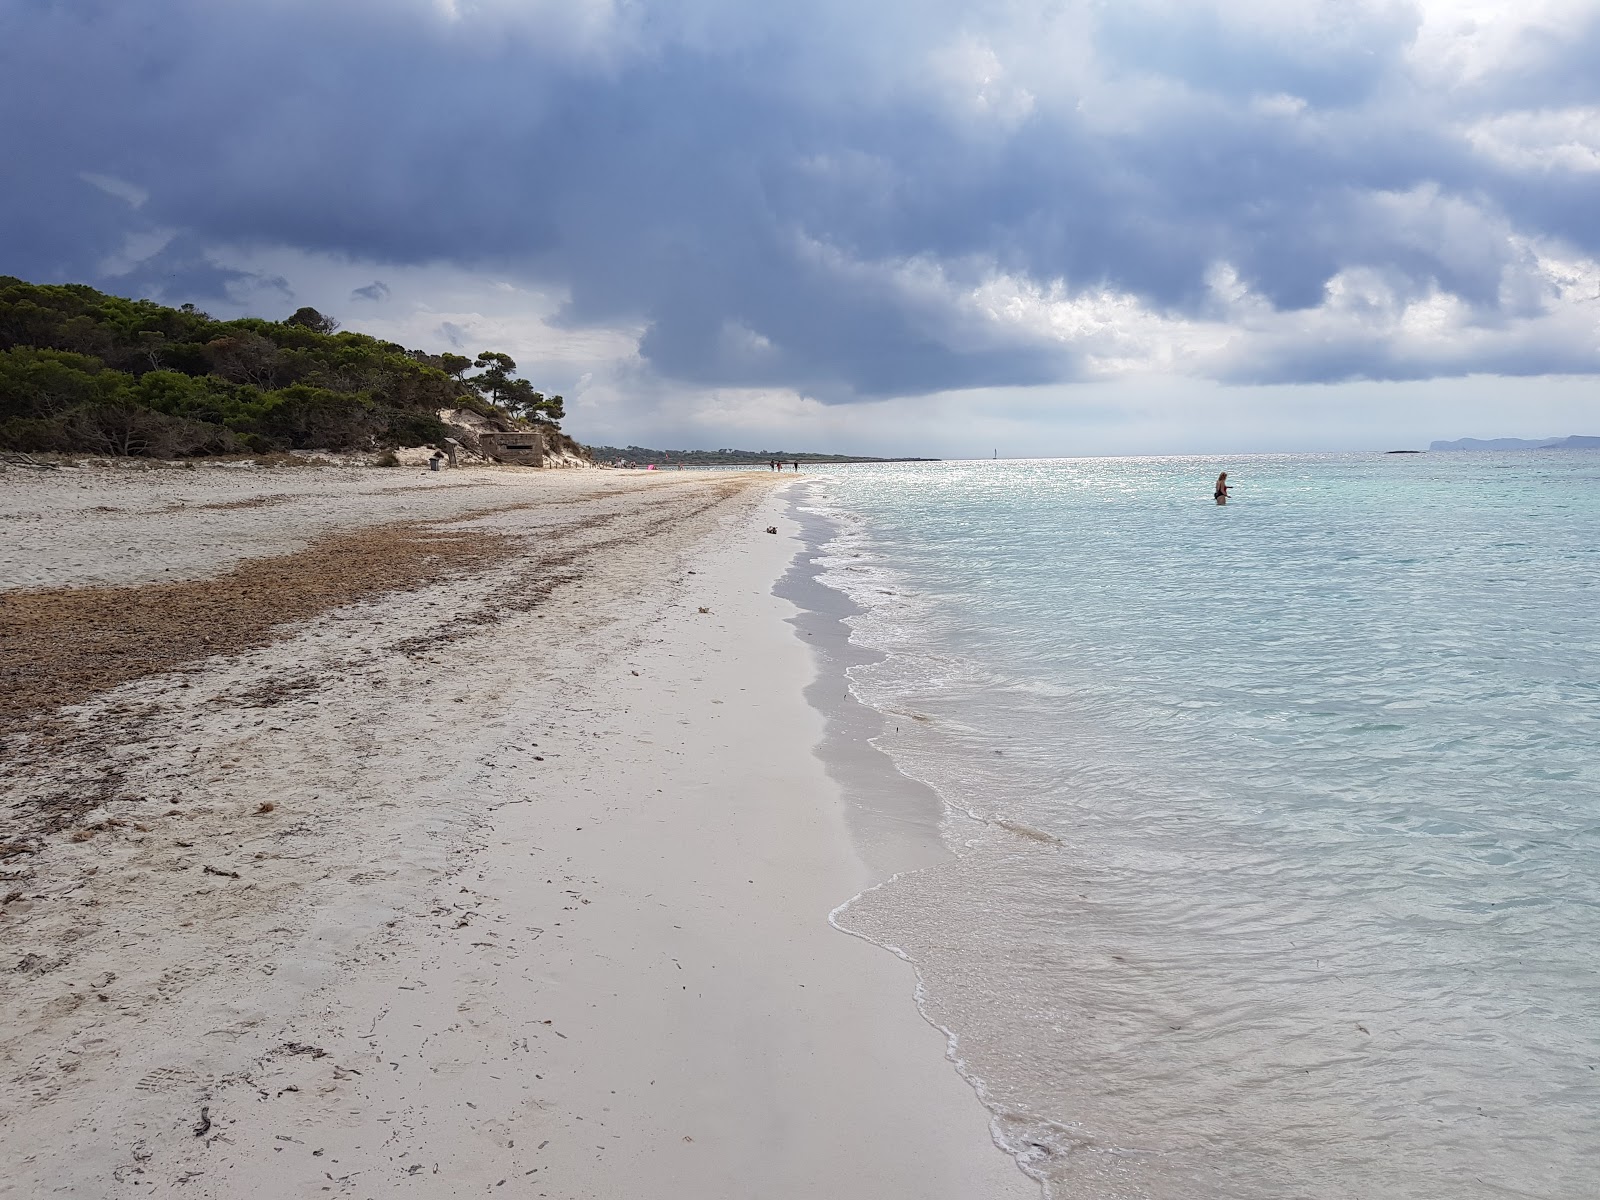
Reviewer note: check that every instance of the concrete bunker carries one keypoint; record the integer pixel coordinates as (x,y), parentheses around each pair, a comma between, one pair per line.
(523,447)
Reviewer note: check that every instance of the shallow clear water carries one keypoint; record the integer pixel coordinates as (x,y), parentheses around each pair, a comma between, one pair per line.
(1277,825)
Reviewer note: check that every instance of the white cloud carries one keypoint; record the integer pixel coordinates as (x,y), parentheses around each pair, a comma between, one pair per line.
(595,35)
(1279,104)
(137,247)
(439,307)
(1566,139)
(756,410)
(1113,332)
(1465,42)
(135,196)
(1370,320)
(978,85)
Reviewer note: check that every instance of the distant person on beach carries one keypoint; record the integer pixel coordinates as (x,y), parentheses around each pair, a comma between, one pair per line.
(1221,494)
(796,467)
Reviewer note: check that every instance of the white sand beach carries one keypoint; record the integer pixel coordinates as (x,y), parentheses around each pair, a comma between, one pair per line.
(437,835)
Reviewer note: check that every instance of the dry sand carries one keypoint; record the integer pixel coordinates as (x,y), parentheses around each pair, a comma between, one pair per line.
(436,835)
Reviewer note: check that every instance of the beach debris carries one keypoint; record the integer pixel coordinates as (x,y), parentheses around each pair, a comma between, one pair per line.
(210,870)
(203,1125)
(704,609)
(15,458)
(265,806)
(1028,831)
(772,529)
(302,1048)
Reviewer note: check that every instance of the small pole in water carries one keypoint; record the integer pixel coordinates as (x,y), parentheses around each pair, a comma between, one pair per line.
(997,452)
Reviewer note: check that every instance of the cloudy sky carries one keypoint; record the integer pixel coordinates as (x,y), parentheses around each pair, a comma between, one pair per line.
(913,226)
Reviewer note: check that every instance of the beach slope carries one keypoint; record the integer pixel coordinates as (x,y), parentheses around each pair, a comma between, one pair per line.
(437,836)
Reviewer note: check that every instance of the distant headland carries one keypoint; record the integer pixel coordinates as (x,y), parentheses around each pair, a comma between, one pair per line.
(83,372)
(643,456)
(1576,442)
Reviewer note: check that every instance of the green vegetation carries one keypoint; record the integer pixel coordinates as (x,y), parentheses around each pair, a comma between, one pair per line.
(643,456)
(81,371)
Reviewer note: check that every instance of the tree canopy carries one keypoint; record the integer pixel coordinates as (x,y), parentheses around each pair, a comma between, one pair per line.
(81,370)
(515,396)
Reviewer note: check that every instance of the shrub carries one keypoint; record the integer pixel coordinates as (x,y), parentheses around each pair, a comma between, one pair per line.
(84,371)
(35,435)
(125,430)
(259,443)
(414,429)
(305,417)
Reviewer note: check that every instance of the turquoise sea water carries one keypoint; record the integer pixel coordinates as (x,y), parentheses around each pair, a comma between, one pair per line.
(1277,826)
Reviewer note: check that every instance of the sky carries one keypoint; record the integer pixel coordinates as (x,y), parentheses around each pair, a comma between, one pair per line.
(902,227)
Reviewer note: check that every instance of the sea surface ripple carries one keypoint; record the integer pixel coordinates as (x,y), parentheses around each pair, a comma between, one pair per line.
(1277,825)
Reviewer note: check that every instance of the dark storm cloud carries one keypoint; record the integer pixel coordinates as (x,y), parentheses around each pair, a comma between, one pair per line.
(785,195)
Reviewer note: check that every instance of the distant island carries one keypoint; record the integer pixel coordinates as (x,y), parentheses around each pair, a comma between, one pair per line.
(1576,442)
(644,456)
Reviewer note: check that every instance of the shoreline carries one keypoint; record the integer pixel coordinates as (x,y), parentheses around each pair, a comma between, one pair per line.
(900,824)
(894,819)
(500,921)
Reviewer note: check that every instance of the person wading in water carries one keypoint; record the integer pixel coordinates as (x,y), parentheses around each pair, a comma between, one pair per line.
(1221,493)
